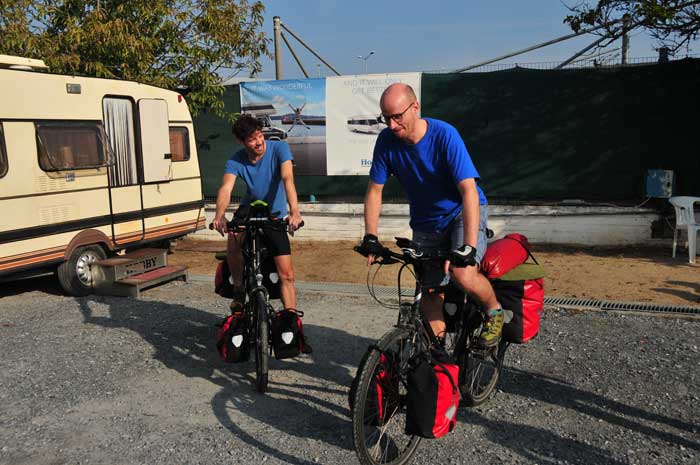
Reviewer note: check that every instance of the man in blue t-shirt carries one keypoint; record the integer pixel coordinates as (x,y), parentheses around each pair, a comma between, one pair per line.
(448,210)
(266,168)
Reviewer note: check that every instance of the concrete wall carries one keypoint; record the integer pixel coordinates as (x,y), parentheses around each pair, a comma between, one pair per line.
(578,225)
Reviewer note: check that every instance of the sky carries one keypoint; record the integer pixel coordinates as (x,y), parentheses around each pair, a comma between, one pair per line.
(424,35)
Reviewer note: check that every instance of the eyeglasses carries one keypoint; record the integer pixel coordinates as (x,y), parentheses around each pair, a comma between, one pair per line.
(397,117)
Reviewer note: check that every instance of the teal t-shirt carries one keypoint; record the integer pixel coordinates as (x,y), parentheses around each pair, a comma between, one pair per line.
(263,179)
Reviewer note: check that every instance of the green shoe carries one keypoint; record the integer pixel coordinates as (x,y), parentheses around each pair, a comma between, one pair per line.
(491,331)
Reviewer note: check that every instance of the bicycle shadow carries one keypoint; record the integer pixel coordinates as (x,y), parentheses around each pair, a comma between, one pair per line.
(537,444)
(183,339)
(532,442)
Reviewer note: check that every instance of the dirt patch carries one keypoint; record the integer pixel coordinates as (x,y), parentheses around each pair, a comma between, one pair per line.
(625,274)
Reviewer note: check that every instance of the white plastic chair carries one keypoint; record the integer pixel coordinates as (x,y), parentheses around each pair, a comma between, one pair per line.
(685,219)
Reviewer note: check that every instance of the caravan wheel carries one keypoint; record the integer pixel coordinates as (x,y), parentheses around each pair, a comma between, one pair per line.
(75,275)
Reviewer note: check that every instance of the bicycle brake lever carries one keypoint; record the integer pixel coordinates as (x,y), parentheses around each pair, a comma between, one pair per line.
(385,261)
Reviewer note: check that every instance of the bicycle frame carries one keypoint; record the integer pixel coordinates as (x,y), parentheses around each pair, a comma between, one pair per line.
(254,253)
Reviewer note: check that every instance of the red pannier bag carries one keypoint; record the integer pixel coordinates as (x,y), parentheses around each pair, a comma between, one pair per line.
(432,396)
(232,341)
(518,285)
(287,333)
(504,254)
(525,298)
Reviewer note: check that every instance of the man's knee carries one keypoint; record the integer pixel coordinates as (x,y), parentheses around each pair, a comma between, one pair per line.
(466,277)
(285,271)
(286,276)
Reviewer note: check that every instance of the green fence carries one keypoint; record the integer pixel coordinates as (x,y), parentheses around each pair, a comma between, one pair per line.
(536,135)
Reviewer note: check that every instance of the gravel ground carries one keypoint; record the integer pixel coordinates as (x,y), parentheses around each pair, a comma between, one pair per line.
(102,380)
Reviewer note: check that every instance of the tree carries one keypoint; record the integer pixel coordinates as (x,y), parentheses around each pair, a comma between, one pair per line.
(673,23)
(183,45)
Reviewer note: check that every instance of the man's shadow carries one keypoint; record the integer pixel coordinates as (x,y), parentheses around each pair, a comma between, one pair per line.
(691,293)
(184,338)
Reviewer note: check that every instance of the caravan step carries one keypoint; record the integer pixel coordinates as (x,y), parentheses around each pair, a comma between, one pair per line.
(129,274)
(133,285)
(131,263)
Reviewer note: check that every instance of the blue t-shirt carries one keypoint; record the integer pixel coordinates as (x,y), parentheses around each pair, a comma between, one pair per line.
(429,172)
(264,179)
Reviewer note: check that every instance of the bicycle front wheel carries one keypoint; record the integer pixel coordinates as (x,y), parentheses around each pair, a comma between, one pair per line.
(262,345)
(379,411)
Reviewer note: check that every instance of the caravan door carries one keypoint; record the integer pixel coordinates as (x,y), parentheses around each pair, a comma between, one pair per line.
(126,202)
(155,140)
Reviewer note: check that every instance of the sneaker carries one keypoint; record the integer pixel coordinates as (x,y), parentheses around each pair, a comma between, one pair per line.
(238,302)
(491,332)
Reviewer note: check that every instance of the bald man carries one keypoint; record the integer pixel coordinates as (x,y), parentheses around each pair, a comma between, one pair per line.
(448,210)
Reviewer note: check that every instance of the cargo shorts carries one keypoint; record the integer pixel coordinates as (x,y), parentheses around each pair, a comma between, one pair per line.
(433,274)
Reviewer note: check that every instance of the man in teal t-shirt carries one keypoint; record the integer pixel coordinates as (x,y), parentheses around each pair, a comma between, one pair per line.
(266,168)
(447,207)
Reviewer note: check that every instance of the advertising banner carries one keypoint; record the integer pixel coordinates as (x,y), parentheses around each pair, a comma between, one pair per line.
(293,111)
(353,108)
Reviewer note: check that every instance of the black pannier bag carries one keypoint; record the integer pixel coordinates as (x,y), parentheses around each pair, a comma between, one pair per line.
(222,280)
(271,279)
(233,343)
(287,334)
(383,394)
(453,307)
(432,396)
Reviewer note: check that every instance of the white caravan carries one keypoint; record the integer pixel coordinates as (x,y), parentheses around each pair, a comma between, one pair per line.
(365,124)
(89,167)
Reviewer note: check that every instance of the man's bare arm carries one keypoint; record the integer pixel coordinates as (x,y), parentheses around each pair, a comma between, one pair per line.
(223,199)
(287,174)
(373,207)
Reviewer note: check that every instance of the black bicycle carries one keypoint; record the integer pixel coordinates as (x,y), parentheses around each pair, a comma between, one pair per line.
(379,427)
(260,281)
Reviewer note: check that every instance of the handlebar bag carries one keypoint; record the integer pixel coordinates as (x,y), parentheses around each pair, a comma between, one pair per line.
(432,395)
(233,343)
(383,394)
(287,334)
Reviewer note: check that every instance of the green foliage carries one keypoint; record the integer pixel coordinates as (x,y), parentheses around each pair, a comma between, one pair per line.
(183,45)
(673,23)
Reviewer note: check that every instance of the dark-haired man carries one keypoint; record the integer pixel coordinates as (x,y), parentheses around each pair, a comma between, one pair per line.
(447,207)
(266,168)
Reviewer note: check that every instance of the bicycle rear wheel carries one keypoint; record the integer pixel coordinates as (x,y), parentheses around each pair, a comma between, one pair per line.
(379,413)
(262,345)
(480,370)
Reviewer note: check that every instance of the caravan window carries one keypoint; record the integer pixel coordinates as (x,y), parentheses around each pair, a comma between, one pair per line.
(70,146)
(3,155)
(179,144)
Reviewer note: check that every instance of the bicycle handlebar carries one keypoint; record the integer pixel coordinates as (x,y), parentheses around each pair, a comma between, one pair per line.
(237,224)
(410,253)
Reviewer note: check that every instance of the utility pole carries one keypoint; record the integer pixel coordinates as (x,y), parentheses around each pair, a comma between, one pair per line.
(625,38)
(278,47)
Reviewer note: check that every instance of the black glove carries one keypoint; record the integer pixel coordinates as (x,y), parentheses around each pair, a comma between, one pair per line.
(370,245)
(463,256)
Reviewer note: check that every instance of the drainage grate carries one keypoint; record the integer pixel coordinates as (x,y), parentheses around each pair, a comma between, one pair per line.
(390,292)
(621,306)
